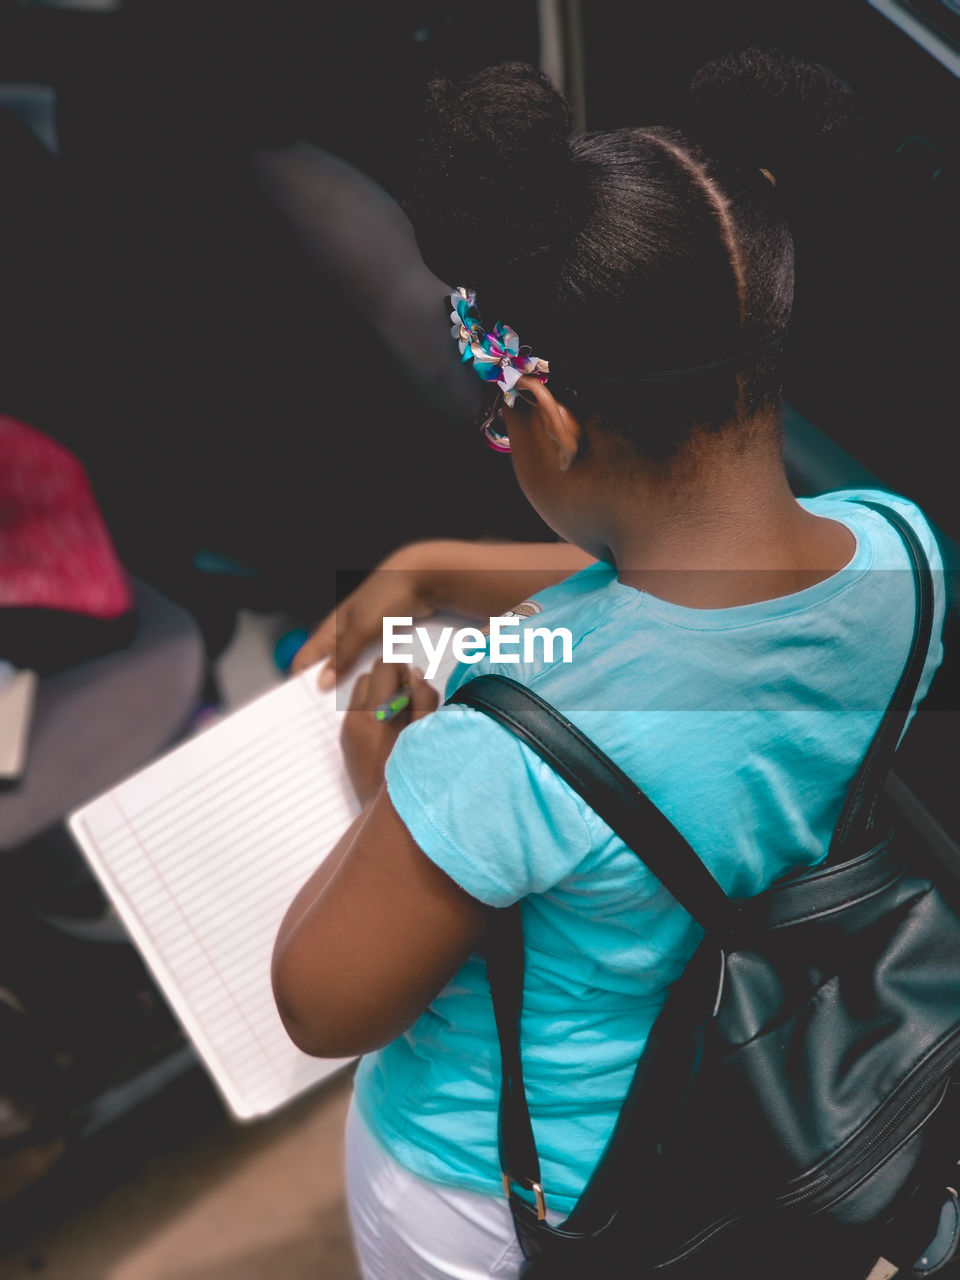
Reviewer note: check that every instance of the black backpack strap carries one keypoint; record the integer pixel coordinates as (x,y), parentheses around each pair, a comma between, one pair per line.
(608,791)
(641,826)
(852,834)
(503,951)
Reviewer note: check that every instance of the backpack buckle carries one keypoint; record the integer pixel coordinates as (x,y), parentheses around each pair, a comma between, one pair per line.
(537,1190)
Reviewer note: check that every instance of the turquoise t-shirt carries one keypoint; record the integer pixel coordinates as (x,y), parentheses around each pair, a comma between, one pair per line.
(744,725)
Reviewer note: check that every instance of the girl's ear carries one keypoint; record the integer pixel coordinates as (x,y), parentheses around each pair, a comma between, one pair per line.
(560,431)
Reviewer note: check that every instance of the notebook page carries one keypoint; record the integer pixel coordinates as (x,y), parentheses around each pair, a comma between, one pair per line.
(201,854)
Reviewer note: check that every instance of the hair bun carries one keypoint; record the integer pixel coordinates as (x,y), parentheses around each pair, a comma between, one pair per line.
(491,177)
(796,119)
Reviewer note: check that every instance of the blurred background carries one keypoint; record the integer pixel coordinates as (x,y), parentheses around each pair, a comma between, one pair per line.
(212,300)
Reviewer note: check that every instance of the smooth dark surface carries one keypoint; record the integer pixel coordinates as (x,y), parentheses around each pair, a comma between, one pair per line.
(98,721)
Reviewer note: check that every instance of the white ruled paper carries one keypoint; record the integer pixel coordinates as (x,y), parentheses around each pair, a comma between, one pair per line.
(202,852)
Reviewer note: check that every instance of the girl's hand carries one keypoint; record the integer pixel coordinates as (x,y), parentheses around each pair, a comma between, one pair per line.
(366,741)
(396,588)
(473,579)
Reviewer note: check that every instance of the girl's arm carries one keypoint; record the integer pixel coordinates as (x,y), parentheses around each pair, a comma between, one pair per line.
(482,579)
(476,579)
(378,929)
(371,938)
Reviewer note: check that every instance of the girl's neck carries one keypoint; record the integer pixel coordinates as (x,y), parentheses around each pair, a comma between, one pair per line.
(724,529)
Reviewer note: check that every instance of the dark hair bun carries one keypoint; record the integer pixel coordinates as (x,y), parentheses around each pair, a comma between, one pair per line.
(796,119)
(491,175)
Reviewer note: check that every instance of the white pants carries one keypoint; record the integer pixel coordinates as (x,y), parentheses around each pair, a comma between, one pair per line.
(405,1228)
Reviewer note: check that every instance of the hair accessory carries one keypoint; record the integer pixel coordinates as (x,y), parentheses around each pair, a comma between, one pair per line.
(497,356)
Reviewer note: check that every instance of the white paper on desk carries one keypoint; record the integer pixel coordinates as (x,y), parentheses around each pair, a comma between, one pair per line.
(201,854)
(17,693)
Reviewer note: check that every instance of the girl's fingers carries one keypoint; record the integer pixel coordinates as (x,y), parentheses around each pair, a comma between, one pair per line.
(377,685)
(350,639)
(338,638)
(313,649)
(385,679)
(360,693)
(317,646)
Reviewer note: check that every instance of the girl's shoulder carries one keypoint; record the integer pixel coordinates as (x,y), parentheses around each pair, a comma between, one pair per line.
(878,541)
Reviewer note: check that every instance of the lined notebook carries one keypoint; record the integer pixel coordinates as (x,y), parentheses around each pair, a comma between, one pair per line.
(202,852)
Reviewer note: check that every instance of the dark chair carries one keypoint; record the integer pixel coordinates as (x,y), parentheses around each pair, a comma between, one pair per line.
(63,952)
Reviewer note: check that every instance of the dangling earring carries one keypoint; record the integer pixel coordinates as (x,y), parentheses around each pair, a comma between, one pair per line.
(496,439)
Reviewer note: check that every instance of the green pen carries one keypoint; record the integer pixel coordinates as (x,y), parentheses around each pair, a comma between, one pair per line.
(393,706)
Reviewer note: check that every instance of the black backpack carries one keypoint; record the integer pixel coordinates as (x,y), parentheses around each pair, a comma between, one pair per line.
(796,1110)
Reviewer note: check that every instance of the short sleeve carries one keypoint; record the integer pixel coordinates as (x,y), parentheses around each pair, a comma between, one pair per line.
(892,553)
(483,807)
(910,512)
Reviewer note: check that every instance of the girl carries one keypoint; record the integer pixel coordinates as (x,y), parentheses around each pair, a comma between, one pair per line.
(730,650)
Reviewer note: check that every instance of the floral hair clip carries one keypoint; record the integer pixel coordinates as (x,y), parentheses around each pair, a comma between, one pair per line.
(497,356)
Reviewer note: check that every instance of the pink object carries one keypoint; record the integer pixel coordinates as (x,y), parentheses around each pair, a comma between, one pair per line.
(55,552)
